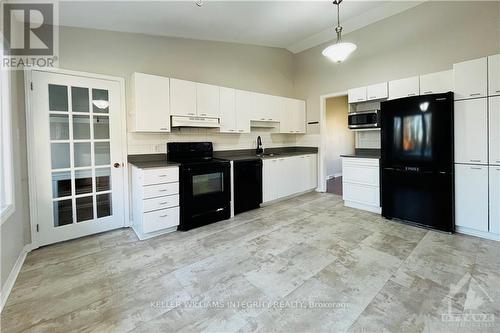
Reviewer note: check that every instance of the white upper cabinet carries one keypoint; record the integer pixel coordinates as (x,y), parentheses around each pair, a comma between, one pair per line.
(207,100)
(182,97)
(150,103)
(227,110)
(293,116)
(244,103)
(471,131)
(356,95)
(377,91)
(435,83)
(404,87)
(494,75)
(471,196)
(471,78)
(494,199)
(494,129)
(266,107)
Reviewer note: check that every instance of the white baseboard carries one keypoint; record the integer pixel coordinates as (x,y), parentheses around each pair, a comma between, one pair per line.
(11,279)
(373,209)
(477,233)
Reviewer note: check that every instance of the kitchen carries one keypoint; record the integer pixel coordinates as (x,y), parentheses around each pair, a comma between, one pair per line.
(169,164)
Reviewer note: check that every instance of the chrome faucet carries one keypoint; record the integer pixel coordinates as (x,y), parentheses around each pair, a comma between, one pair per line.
(259,150)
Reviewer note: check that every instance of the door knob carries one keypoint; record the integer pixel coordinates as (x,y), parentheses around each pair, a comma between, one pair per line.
(116,165)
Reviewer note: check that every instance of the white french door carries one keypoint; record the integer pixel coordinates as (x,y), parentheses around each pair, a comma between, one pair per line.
(76,156)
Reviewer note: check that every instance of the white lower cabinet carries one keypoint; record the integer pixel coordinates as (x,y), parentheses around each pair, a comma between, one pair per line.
(155,201)
(471,197)
(494,199)
(285,176)
(361,183)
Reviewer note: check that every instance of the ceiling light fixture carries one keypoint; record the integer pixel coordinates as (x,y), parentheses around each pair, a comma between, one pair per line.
(339,51)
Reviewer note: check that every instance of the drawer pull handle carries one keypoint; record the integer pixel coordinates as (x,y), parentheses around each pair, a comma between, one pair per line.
(373,97)
(412,94)
(164,215)
(473,168)
(162,175)
(162,190)
(475,94)
(475,160)
(163,203)
(497,91)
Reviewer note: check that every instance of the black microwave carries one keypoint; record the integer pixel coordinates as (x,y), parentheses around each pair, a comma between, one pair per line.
(364,119)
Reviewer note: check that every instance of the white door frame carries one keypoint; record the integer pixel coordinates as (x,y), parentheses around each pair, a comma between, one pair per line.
(323,137)
(30,141)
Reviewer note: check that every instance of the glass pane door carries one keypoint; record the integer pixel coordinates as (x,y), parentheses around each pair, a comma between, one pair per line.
(80,154)
(77,126)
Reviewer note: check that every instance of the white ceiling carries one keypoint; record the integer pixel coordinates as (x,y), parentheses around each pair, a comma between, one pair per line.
(294,25)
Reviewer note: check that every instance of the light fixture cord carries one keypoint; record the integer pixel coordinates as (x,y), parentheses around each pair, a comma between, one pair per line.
(338,29)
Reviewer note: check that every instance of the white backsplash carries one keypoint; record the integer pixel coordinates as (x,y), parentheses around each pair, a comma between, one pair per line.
(367,139)
(148,143)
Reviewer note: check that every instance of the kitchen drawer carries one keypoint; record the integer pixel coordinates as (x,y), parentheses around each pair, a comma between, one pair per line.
(368,195)
(160,219)
(159,176)
(154,191)
(160,203)
(359,174)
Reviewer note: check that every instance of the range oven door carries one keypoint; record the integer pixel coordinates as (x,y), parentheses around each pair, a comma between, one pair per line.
(205,191)
(361,120)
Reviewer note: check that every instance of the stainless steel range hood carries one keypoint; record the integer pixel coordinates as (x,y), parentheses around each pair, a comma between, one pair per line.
(180,121)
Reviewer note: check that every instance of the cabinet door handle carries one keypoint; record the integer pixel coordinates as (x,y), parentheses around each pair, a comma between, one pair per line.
(428,92)
(498,91)
(164,215)
(240,130)
(475,94)
(161,176)
(476,168)
(162,190)
(269,119)
(475,160)
(412,94)
(498,162)
(203,114)
(163,128)
(191,114)
(163,203)
(360,99)
(373,97)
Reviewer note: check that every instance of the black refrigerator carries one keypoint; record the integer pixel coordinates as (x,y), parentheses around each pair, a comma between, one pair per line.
(417,160)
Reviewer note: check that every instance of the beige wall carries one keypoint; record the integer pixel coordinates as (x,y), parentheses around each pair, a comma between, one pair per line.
(255,68)
(424,39)
(15,231)
(340,140)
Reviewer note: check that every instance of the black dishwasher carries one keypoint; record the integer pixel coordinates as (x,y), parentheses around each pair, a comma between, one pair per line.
(247,185)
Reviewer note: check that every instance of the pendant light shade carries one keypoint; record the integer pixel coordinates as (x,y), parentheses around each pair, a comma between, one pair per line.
(339,51)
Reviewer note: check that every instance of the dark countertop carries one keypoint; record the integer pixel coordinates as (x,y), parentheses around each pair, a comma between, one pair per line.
(249,154)
(147,161)
(150,161)
(364,153)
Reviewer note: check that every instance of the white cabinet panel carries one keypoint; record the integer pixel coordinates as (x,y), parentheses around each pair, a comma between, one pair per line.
(471,196)
(494,199)
(161,219)
(435,83)
(244,102)
(377,91)
(361,183)
(287,176)
(494,130)
(293,116)
(404,88)
(356,95)
(227,110)
(168,201)
(182,97)
(471,131)
(154,191)
(362,194)
(494,75)
(471,78)
(160,176)
(150,103)
(207,100)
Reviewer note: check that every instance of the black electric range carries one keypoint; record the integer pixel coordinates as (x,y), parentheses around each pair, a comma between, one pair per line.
(205,184)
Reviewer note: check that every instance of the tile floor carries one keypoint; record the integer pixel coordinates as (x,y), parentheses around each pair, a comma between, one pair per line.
(307,264)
